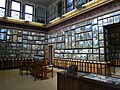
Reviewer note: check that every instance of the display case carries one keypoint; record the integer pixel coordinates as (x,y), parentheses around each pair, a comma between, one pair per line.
(21,44)
(113,47)
(86,39)
(86,81)
(106,79)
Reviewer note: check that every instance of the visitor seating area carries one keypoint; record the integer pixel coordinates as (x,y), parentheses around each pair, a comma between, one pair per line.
(91,66)
(25,64)
(36,68)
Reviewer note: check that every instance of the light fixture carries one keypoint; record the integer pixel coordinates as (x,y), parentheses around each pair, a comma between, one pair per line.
(10,19)
(70,13)
(36,24)
(55,20)
(20,21)
(27,21)
(90,3)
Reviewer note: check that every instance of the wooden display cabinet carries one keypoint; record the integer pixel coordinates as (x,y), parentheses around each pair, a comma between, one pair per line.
(98,67)
(86,81)
(15,44)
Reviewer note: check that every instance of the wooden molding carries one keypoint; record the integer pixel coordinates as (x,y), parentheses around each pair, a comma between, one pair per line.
(81,11)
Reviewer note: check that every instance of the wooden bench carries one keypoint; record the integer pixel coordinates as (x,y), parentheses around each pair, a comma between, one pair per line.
(36,68)
(24,64)
(39,68)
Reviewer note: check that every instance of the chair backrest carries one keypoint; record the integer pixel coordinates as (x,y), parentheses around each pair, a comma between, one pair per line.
(39,65)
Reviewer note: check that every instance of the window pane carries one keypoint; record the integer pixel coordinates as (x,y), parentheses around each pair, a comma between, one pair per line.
(28,17)
(2,36)
(81,2)
(69,8)
(40,15)
(16,6)
(2,12)
(59,9)
(51,16)
(69,5)
(51,13)
(15,14)
(28,9)
(69,1)
(51,10)
(2,3)
(40,12)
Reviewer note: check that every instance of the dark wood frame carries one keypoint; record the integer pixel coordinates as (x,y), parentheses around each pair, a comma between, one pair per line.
(15,10)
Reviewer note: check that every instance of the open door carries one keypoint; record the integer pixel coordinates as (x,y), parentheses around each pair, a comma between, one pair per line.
(50,54)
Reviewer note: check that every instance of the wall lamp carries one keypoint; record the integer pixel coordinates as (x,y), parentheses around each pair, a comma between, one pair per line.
(55,20)
(91,3)
(20,21)
(63,16)
(70,13)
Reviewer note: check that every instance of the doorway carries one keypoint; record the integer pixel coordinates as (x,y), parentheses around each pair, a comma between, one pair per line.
(50,54)
(112,45)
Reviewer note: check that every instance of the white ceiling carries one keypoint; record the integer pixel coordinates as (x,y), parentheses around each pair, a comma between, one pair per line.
(43,2)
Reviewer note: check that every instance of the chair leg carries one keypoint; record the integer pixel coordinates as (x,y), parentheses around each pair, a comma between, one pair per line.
(22,72)
(35,76)
(26,72)
(52,74)
(19,71)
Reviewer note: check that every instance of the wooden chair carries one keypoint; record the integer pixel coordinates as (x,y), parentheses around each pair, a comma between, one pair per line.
(49,67)
(30,65)
(38,69)
(23,66)
(47,64)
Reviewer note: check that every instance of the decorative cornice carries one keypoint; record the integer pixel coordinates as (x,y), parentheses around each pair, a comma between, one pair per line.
(11,20)
(101,9)
(21,24)
(87,12)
